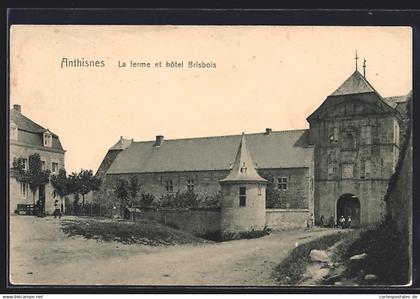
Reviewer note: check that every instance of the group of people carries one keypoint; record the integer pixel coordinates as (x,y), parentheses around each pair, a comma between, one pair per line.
(341,222)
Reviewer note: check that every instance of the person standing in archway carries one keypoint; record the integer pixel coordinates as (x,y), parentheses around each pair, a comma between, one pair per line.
(348,222)
(341,222)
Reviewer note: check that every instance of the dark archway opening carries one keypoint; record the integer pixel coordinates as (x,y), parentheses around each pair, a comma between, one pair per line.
(349,205)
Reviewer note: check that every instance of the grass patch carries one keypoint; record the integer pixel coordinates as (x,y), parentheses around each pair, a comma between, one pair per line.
(387,255)
(144,232)
(291,269)
(229,236)
(218,236)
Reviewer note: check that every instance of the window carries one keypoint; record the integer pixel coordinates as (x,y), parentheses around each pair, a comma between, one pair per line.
(332,171)
(47,139)
(25,163)
(54,167)
(242,196)
(43,165)
(347,171)
(23,190)
(190,185)
(367,169)
(243,168)
(348,142)
(13,131)
(169,186)
(366,134)
(333,136)
(259,189)
(362,169)
(332,155)
(282,183)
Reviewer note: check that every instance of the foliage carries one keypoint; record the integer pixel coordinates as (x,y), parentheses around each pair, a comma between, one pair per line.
(82,183)
(291,269)
(121,190)
(133,189)
(165,201)
(188,199)
(146,200)
(73,184)
(252,234)
(60,183)
(34,176)
(88,182)
(210,201)
(143,231)
(273,196)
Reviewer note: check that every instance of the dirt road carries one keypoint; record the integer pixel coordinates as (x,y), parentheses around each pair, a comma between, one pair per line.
(42,254)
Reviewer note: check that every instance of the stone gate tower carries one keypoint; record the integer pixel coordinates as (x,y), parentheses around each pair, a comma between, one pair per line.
(243,195)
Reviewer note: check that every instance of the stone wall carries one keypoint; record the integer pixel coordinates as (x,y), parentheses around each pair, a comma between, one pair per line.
(236,218)
(400,194)
(287,219)
(198,222)
(370,194)
(300,191)
(203,221)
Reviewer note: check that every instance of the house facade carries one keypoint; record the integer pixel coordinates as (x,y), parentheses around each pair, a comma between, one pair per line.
(27,138)
(340,166)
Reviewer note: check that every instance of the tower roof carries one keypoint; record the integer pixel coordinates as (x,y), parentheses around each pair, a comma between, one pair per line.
(122,144)
(356,83)
(243,169)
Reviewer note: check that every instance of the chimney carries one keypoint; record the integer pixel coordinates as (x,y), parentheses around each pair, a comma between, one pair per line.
(159,140)
(267,131)
(17,108)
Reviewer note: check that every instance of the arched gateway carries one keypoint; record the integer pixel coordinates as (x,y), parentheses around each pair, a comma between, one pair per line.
(349,205)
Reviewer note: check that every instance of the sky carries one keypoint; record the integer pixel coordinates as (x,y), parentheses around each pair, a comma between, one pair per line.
(265,77)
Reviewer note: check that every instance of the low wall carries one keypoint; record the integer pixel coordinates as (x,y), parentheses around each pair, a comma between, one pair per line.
(198,222)
(286,219)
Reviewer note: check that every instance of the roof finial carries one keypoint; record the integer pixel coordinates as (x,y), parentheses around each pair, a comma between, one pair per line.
(364,68)
(355,58)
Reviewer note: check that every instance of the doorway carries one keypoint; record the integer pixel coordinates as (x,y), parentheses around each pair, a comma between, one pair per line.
(41,194)
(349,205)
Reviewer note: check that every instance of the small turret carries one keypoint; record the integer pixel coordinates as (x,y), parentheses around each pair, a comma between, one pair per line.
(243,195)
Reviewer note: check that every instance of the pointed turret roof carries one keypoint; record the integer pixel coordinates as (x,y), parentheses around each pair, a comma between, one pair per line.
(356,83)
(243,169)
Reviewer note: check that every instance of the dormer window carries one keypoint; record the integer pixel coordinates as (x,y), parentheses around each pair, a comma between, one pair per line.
(243,168)
(13,131)
(47,139)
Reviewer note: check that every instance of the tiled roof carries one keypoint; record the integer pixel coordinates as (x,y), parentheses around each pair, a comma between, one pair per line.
(281,149)
(30,132)
(123,143)
(356,83)
(393,101)
(243,168)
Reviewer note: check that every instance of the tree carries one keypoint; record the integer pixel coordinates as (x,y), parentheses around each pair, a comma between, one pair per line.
(121,191)
(34,176)
(73,186)
(60,183)
(133,189)
(88,182)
